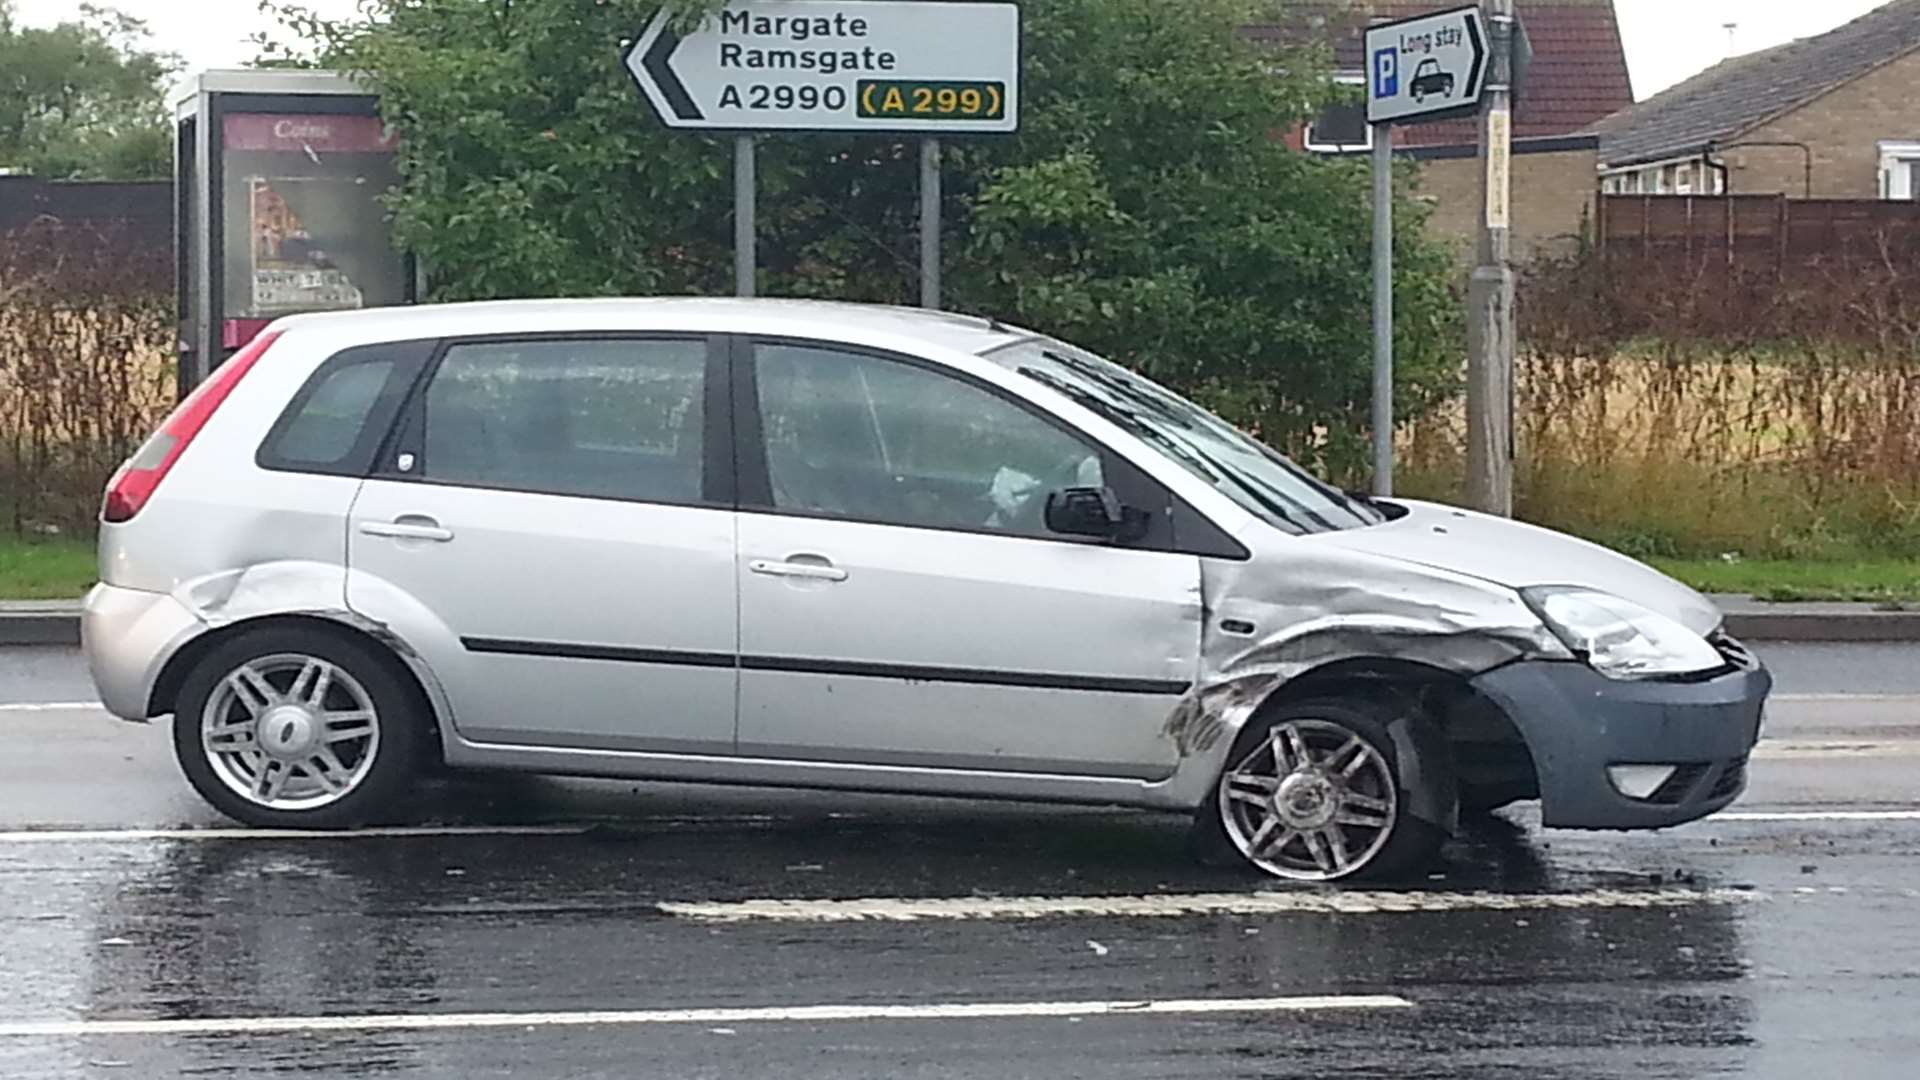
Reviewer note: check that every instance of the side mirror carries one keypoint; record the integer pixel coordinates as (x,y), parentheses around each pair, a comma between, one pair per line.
(1096,512)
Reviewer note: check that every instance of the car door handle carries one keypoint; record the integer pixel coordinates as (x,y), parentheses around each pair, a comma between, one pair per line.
(809,571)
(407,530)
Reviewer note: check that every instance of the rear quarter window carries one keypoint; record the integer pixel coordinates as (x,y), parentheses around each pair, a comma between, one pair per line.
(336,422)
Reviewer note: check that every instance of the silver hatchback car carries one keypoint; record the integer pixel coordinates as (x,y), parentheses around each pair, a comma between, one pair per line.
(837,546)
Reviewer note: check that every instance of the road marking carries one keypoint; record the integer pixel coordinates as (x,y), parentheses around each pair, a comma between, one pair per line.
(111,836)
(1815,815)
(1781,699)
(1816,699)
(802,1014)
(1174,905)
(1786,749)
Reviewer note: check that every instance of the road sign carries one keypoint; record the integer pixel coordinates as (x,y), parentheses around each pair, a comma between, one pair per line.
(836,65)
(1425,67)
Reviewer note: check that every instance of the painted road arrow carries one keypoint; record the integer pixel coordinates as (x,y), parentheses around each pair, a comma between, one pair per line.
(835,65)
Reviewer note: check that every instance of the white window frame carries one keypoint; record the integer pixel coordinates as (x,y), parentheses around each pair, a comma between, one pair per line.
(1900,169)
(1344,78)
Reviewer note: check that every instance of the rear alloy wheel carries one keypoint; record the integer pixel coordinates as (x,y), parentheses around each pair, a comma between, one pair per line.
(1313,794)
(290,727)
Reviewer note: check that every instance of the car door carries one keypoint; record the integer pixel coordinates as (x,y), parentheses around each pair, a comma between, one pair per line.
(901,601)
(552,528)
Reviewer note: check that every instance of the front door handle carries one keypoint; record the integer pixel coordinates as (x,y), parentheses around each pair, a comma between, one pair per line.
(408,528)
(808,571)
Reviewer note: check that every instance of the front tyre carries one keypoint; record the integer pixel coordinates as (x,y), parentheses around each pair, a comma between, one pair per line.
(294,727)
(1313,793)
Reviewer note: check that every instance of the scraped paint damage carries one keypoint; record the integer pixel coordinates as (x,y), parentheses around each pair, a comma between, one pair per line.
(1318,605)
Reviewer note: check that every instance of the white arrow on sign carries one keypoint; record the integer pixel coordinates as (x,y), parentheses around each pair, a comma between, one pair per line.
(1425,67)
(836,65)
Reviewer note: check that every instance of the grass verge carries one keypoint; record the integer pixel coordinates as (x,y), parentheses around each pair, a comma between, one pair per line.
(1879,581)
(45,569)
(60,569)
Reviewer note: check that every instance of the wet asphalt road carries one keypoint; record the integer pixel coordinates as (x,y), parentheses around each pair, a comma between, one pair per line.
(493,940)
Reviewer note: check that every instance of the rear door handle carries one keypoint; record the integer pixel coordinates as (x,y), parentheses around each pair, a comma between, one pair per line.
(809,571)
(408,530)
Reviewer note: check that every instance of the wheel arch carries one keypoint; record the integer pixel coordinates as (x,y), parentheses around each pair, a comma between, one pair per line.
(173,676)
(1444,721)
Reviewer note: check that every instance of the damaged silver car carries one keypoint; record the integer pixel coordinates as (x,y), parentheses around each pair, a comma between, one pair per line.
(836,546)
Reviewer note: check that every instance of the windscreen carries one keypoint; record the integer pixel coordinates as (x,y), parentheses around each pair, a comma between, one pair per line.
(1242,468)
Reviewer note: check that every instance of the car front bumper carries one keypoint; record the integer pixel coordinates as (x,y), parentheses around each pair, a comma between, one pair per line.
(129,635)
(1578,723)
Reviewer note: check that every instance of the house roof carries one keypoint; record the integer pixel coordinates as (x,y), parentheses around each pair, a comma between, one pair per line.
(1744,92)
(1579,72)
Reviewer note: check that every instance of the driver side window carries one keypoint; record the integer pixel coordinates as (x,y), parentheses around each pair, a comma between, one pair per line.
(870,439)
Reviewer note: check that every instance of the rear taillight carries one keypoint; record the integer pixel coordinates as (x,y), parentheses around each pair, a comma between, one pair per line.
(136,481)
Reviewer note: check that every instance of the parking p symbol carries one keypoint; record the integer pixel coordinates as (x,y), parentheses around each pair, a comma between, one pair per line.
(1386,73)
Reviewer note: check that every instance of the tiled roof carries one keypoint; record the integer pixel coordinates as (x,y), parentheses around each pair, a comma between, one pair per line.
(1738,95)
(1579,72)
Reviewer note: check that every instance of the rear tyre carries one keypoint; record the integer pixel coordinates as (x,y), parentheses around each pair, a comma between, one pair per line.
(293,727)
(1312,792)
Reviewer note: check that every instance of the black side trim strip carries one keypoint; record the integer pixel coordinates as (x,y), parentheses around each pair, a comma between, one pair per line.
(854,668)
(623,655)
(968,676)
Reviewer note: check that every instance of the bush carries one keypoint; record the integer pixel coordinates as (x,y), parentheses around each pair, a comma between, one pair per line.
(1147,208)
(86,371)
(1677,412)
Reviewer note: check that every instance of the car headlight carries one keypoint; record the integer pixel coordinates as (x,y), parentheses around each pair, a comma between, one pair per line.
(1619,638)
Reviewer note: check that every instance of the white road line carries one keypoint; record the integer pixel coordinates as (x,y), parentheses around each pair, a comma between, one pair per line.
(1782,699)
(1786,749)
(1815,815)
(1817,699)
(1173,905)
(801,1014)
(112,836)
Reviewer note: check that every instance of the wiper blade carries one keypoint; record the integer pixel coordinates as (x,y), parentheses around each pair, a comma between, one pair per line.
(1127,419)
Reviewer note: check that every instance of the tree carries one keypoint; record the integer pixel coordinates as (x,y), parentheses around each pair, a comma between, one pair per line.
(1147,208)
(83,99)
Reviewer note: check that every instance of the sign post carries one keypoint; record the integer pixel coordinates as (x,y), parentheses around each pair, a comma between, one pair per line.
(930,224)
(746,186)
(1490,294)
(1383,310)
(884,67)
(1425,68)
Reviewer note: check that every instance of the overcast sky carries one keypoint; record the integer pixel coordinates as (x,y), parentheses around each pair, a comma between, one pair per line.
(1667,40)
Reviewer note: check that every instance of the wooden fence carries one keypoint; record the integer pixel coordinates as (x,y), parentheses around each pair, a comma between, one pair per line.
(1756,232)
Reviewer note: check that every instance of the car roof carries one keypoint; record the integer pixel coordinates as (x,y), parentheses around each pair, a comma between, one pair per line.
(871,324)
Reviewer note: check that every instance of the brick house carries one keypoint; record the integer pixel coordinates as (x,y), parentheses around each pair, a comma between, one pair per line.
(1835,116)
(1578,76)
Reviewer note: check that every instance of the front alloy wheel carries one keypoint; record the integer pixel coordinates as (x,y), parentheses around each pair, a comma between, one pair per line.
(1314,794)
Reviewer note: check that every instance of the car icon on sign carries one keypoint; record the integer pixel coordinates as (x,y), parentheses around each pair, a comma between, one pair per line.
(1430,81)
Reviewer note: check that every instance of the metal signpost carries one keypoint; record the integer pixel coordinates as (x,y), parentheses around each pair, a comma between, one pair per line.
(1490,294)
(1424,68)
(872,66)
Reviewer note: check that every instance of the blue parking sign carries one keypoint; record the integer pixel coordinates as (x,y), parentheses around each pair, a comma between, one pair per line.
(1386,73)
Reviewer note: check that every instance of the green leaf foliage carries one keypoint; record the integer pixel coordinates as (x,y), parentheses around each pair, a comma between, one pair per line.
(1148,209)
(83,99)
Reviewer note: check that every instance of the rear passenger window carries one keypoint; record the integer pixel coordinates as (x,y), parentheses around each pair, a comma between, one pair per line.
(329,423)
(604,419)
(336,422)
